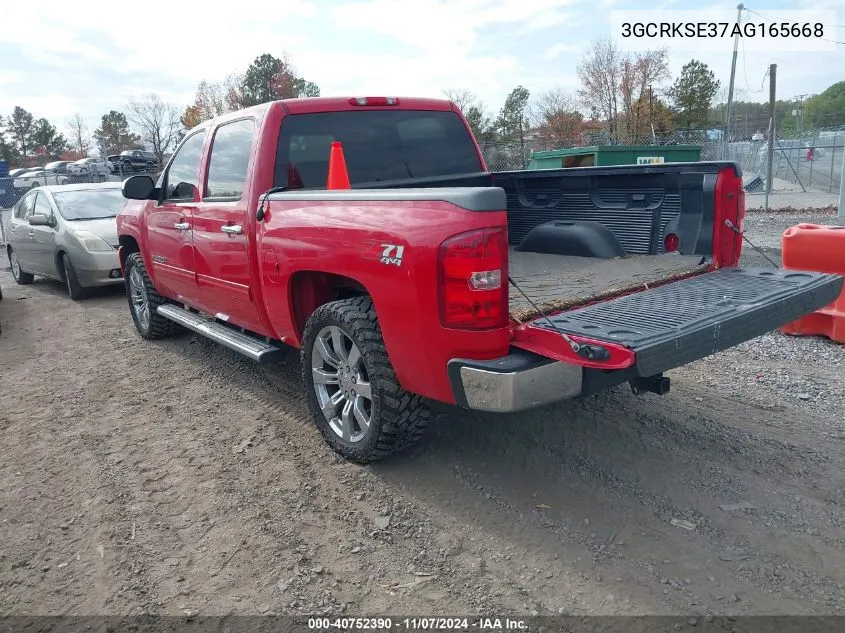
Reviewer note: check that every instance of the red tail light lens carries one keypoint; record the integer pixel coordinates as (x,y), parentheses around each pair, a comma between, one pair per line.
(473,280)
(730,205)
(670,243)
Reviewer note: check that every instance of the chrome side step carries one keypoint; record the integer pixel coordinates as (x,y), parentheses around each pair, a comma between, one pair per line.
(249,346)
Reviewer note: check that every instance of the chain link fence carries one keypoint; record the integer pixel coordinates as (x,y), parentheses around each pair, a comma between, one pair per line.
(806,168)
(11,190)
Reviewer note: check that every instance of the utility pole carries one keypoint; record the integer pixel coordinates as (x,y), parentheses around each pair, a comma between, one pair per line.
(739,9)
(799,114)
(651,112)
(770,150)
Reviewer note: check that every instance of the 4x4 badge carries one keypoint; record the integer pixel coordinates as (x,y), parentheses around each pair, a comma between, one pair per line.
(392,254)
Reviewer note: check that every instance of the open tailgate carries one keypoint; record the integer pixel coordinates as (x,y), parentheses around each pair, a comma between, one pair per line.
(685,320)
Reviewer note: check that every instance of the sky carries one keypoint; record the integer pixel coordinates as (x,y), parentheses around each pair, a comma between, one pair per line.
(59,59)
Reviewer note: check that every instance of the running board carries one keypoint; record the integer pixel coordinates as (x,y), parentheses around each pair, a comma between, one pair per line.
(249,346)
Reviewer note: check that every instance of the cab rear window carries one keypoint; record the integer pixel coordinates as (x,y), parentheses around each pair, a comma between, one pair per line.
(378,145)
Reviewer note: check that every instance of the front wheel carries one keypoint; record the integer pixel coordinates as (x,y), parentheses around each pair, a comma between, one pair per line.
(74,290)
(143,301)
(358,405)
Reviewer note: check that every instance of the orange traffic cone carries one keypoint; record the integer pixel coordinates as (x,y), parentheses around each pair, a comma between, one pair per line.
(338,176)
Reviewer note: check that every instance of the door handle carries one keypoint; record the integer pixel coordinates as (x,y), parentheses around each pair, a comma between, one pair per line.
(182,226)
(232,229)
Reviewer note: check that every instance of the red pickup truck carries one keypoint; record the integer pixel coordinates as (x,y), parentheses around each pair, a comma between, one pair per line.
(433,278)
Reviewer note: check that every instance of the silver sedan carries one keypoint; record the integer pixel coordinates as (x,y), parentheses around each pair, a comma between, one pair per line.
(68,233)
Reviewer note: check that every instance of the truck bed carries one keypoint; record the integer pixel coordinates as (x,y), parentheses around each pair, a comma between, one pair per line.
(558,282)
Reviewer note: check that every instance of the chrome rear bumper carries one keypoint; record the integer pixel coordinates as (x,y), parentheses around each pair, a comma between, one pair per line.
(516,382)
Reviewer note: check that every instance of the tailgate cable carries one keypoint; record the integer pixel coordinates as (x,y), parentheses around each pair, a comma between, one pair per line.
(592,352)
(736,230)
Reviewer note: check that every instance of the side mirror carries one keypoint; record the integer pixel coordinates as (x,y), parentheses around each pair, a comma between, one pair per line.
(39,220)
(139,188)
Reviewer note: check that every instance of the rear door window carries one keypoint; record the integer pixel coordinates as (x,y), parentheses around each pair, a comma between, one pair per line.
(378,145)
(230,153)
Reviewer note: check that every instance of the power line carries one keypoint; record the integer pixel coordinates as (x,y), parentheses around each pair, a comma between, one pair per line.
(745,72)
(771,19)
(765,17)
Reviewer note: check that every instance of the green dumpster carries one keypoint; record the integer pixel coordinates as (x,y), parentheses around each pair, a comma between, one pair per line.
(604,155)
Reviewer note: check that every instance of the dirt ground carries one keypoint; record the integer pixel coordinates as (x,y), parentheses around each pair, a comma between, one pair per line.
(176,477)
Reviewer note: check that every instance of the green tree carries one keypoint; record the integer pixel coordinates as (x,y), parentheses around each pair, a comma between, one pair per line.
(306,88)
(21,126)
(7,150)
(479,122)
(269,78)
(45,134)
(512,122)
(826,109)
(113,136)
(692,94)
(258,80)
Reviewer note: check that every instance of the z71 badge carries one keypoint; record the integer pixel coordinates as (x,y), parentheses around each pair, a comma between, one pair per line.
(392,254)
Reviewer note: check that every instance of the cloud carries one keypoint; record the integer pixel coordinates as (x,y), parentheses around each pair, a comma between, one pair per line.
(97,56)
(558,50)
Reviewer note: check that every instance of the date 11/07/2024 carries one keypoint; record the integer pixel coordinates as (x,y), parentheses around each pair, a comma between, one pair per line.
(416,624)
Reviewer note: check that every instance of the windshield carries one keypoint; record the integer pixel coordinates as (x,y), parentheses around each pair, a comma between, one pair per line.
(377,145)
(89,204)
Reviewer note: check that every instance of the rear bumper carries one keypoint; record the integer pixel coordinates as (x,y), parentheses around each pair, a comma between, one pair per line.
(516,382)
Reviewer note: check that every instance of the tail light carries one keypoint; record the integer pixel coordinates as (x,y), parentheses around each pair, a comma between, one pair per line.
(730,207)
(473,280)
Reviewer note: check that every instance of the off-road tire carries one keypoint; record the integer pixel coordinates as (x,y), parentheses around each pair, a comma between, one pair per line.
(21,278)
(74,290)
(399,418)
(159,327)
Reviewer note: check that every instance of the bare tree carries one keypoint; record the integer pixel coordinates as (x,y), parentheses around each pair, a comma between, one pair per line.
(599,73)
(638,73)
(462,98)
(618,86)
(474,111)
(78,136)
(555,115)
(158,123)
(550,103)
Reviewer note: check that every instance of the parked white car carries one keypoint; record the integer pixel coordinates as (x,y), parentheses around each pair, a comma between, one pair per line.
(90,165)
(39,178)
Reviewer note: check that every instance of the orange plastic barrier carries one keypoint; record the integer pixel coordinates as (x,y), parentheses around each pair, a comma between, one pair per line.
(821,249)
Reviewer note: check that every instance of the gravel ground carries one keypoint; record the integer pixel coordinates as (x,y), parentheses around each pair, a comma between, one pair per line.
(175,477)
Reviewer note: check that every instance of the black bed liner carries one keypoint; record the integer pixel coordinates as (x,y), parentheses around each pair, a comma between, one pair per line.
(685,320)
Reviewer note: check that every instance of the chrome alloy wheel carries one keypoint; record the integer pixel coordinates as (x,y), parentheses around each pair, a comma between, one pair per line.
(138,297)
(341,384)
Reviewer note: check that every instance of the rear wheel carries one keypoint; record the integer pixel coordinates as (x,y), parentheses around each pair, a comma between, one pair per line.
(357,403)
(17,272)
(143,301)
(74,290)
